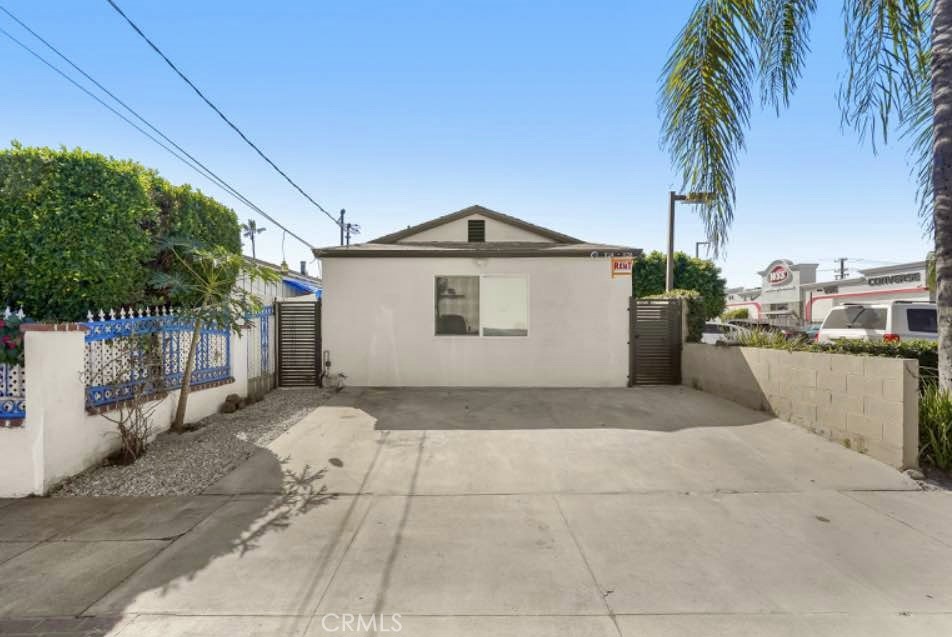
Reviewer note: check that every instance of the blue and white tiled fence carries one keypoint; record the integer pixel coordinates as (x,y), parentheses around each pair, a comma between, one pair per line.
(12,385)
(145,351)
(12,392)
(259,342)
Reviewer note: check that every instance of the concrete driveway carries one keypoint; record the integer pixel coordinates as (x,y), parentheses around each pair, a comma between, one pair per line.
(648,511)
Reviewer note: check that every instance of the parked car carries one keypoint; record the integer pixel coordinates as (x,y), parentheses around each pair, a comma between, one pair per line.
(890,322)
(790,333)
(715,332)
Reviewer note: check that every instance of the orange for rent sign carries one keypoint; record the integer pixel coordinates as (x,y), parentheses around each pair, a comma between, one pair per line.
(622,266)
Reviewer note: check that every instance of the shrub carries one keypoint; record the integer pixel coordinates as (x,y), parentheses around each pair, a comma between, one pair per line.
(76,232)
(926,352)
(736,313)
(188,215)
(697,313)
(648,278)
(766,339)
(11,340)
(133,416)
(188,212)
(79,230)
(935,426)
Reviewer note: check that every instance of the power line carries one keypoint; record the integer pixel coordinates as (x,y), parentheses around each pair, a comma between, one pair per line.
(211,105)
(200,168)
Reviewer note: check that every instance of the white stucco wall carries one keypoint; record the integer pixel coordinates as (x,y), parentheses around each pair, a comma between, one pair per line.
(378,324)
(458,230)
(59,438)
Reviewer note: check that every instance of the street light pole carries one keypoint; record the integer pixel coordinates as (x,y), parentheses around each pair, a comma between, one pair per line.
(669,268)
(673,197)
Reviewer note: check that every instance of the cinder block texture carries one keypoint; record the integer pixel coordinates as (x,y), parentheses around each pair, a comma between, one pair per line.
(867,403)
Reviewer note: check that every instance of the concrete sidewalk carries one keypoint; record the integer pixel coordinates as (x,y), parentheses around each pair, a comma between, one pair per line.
(688,516)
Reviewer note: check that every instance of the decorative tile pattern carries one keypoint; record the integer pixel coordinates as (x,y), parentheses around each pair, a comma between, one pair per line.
(12,392)
(259,345)
(145,351)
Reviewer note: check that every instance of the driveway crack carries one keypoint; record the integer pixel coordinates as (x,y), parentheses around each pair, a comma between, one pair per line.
(602,592)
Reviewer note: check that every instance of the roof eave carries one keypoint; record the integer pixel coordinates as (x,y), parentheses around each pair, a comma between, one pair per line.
(587,252)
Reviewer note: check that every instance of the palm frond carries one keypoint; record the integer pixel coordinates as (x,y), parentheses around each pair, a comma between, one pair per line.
(917,130)
(784,40)
(705,102)
(250,228)
(887,49)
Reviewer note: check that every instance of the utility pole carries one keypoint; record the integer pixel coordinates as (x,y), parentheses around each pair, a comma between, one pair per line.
(842,261)
(341,224)
(351,228)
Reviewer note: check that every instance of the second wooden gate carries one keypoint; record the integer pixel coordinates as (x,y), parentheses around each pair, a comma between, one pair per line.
(654,354)
(299,343)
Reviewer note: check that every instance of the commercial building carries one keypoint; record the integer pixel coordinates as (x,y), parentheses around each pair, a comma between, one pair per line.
(790,295)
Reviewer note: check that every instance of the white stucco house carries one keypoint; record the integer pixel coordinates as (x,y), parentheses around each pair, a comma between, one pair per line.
(477,298)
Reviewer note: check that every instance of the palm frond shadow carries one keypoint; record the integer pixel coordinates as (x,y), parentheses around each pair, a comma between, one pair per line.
(301,492)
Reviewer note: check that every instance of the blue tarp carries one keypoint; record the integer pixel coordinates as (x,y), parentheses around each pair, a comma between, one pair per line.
(303,287)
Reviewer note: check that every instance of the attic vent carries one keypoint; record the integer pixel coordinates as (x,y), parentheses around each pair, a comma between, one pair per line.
(477,231)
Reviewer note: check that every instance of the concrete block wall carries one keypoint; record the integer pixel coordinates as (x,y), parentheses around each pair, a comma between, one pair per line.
(58,438)
(867,403)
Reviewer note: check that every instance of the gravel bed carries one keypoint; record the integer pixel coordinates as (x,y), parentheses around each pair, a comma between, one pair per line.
(187,464)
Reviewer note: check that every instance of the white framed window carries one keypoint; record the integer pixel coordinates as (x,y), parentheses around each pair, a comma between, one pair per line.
(491,305)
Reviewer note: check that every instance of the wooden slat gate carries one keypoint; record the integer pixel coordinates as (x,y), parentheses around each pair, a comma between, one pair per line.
(654,344)
(299,343)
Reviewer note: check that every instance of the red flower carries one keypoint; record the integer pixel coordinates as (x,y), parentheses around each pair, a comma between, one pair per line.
(2,323)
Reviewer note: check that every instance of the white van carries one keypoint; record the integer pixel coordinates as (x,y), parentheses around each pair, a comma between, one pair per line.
(891,322)
(717,332)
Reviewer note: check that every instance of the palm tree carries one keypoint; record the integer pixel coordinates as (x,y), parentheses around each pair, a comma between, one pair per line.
(250,230)
(204,290)
(899,54)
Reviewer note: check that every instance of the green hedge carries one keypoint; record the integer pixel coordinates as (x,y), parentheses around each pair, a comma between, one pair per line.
(926,352)
(75,232)
(79,230)
(187,212)
(690,273)
(697,311)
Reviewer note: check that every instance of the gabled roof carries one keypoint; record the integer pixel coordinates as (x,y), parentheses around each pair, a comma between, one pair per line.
(557,237)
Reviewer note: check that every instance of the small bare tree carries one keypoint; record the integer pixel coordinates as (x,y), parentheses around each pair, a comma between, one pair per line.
(131,370)
(133,420)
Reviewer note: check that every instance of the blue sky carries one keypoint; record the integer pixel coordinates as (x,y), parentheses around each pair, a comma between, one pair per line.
(400,112)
